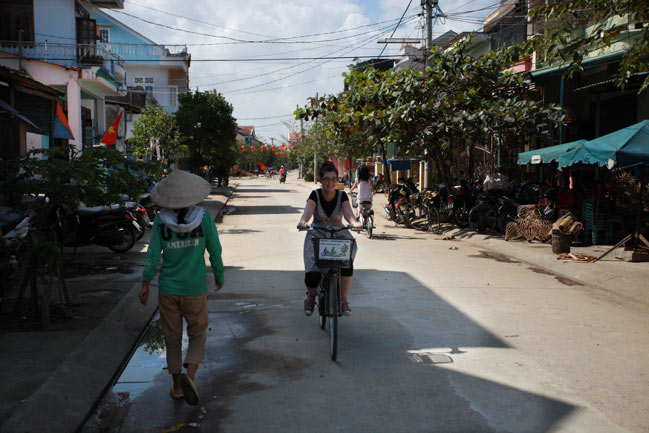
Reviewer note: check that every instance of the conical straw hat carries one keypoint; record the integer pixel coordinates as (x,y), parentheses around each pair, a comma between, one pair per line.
(180,189)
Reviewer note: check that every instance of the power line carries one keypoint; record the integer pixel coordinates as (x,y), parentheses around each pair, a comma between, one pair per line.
(244,41)
(305,70)
(257,34)
(395,29)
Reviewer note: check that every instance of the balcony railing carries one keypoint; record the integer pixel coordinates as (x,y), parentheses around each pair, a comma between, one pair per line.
(146,51)
(69,55)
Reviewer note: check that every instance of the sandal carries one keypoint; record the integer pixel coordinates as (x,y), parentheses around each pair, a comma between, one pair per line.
(189,388)
(176,396)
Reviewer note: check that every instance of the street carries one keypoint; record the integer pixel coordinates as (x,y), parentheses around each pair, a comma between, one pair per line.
(440,340)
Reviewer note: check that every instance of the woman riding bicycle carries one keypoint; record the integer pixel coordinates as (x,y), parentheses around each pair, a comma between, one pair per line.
(327,206)
(365,187)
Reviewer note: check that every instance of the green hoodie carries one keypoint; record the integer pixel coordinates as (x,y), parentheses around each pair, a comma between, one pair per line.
(182,247)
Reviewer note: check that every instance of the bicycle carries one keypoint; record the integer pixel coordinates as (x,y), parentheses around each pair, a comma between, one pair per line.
(331,254)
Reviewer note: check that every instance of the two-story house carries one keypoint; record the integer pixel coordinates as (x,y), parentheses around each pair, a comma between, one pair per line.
(55,42)
(158,72)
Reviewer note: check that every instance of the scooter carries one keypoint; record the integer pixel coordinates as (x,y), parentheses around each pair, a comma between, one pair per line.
(282,178)
(113,227)
(366,217)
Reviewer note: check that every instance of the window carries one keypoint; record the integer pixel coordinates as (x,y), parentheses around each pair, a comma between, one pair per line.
(173,96)
(104,34)
(16,15)
(86,31)
(143,80)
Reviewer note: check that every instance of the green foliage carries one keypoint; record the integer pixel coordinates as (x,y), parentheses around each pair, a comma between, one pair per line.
(456,97)
(571,29)
(96,176)
(205,120)
(156,127)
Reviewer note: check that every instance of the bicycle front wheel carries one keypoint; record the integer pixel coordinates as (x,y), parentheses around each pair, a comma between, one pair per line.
(333,316)
(322,308)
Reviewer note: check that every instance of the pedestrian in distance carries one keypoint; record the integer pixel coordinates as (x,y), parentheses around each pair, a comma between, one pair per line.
(181,233)
(327,206)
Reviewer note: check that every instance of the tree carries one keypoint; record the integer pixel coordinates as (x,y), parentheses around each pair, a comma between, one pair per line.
(607,22)
(155,134)
(205,119)
(457,97)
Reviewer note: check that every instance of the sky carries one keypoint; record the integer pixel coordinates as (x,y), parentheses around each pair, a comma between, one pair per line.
(281,41)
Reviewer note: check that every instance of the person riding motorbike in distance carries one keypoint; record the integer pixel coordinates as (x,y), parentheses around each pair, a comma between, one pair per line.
(327,206)
(365,187)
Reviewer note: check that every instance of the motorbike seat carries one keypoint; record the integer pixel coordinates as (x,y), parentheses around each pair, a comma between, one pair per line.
(98,210)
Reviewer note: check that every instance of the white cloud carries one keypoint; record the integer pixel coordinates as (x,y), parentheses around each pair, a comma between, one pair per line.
(263,19)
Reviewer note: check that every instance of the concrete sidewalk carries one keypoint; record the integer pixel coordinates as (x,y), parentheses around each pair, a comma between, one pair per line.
(51,379)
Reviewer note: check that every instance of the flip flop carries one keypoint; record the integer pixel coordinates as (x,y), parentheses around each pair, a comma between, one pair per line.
(174,395)
(189,388)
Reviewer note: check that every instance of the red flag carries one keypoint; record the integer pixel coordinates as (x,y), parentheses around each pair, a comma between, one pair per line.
(262,166)
(110,137)
(61,126)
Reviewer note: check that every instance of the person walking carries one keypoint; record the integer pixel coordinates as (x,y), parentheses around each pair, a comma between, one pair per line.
(180,235)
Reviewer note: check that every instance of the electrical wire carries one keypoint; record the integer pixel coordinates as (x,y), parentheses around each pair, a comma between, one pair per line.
(300,72)
(244,41)
(395,29)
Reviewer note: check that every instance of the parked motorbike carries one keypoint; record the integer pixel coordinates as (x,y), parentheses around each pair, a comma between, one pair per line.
(461,200)
(113,227)
(400,207)
(151,209)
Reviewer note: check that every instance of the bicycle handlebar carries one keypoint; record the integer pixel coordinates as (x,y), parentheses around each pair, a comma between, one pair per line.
(329,229)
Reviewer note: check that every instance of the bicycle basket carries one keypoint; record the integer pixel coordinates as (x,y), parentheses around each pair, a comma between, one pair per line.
(330,253)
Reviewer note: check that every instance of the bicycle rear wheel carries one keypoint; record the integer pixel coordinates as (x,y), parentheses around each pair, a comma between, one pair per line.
(333,316)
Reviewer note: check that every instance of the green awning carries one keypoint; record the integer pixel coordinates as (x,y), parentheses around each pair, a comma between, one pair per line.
(548,154)
(597,60)
(622,148)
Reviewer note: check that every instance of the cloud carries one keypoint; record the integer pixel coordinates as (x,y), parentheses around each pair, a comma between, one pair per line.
(273,88)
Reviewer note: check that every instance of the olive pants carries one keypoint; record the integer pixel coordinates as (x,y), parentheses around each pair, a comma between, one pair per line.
(172,310)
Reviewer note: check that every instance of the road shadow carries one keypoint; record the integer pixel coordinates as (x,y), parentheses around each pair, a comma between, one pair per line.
(263,352)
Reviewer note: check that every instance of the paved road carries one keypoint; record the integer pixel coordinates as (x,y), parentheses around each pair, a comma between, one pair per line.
(441,340)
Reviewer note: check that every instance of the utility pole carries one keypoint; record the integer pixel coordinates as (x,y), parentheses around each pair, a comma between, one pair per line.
(428,4)
(301,170)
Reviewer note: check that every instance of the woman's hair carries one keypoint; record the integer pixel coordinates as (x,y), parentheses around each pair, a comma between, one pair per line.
(364,173)
(182,213)
(326,167)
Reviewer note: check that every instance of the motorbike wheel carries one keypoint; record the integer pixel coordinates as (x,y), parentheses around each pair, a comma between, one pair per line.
(504,219)
(432,217)
(483,218)
(407,219)
(128,241)
(460,217)
(369,222)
